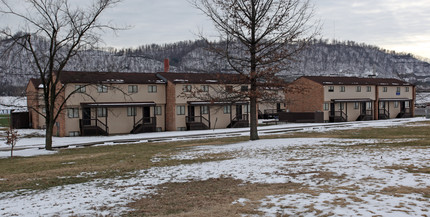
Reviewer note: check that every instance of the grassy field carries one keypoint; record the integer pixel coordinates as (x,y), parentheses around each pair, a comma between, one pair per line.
(4,120)
(195,198)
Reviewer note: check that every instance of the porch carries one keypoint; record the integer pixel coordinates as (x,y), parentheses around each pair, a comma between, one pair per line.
(205,115)
(394,108)
(117,118)
(343,110)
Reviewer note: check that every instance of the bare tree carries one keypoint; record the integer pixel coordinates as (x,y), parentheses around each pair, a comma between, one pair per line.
(259,38)
(66,29)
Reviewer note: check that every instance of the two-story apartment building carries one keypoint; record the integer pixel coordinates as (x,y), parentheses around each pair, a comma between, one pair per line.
(205,101)
(102,103)
(351,98)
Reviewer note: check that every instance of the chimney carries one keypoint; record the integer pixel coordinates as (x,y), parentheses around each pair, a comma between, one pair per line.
(166,65)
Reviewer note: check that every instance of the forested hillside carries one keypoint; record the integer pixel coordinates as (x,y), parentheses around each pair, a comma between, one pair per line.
(320,58)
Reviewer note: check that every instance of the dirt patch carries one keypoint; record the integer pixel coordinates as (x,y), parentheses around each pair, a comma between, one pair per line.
(401,190)
(213,197)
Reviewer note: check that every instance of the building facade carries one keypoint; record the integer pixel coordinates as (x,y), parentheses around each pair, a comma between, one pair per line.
(351,98)
(107,103)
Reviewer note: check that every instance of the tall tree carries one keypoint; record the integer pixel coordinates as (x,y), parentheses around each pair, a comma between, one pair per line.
(67,29)
(260,37)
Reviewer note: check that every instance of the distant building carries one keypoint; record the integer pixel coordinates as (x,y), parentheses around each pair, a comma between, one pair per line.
(351,98)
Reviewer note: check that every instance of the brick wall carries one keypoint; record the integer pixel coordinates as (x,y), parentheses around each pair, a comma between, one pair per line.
(304,95)
(170,107)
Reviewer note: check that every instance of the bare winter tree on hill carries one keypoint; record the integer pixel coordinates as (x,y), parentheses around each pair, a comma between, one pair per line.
(260,37)
(68,29)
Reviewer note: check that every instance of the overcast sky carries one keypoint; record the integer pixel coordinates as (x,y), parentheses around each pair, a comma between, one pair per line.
(399,25)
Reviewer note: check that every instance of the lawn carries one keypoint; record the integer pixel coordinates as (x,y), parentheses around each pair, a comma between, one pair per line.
(368,171)
(4,121)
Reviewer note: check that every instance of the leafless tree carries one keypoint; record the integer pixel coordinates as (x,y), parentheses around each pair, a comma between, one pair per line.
(259,38)
(67,29)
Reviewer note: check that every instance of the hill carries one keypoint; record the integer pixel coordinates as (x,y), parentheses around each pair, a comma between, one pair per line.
(320,58)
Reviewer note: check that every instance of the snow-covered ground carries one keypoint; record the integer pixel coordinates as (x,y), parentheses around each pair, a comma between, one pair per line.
(359,178)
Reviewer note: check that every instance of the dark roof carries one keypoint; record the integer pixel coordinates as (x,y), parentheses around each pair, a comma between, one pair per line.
(35,82)
(202,78)
(325,80)
(109,77)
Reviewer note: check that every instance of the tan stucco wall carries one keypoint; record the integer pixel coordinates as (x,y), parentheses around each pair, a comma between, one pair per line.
(391,92)
(350,92)
(118,121)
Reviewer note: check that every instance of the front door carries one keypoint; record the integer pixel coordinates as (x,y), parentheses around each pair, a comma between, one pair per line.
(86,116)
(146,114)
(191,113)
(363,108)
(239,112)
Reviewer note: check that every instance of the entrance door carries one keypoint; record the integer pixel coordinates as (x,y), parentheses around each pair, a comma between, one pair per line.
(332,109)
(146,114)
(402,107)
(191,113)
(363,108)
(239,112)
(86,116)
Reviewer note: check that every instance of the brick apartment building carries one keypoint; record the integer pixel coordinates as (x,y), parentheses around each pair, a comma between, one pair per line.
(351,98)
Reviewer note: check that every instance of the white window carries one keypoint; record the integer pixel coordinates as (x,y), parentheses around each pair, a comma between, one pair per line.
(407,104)
(356,105)
(396,104)
(342,88)
(331,89)
(180,110)
(358,89)
(384,89)
(131,111)
(205,109)
(341,106)
(158,110)
(398,90)
(80,88)
(247,109)
(102,88)
(132,88)
(73,133)
(187,88)
(326,106)
(101,112)
(369,105)
(152,89)
(204,88)
(244,88)
(406,89)
(73,112)
(227,109)
(369,88)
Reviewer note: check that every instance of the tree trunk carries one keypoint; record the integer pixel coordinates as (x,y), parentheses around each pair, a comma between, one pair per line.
(254,120)
(48,137)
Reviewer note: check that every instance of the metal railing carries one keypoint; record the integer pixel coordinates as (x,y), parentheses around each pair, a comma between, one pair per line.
(383,113)
(93,123)
(197,119)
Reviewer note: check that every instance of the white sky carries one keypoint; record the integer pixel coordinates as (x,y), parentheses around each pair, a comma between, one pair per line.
(399,25)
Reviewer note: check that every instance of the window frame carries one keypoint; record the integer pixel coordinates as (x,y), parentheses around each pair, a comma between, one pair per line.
(80,88)
(73,112)
(102,112)
(102,88)
(384,89)
(158,110)
(227,109)
(330,88)
(132,89)
(131,111)
(187,88)
(204,88)
(204,110)
(152,89)
(342,89)
(180,110)
(358,89)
